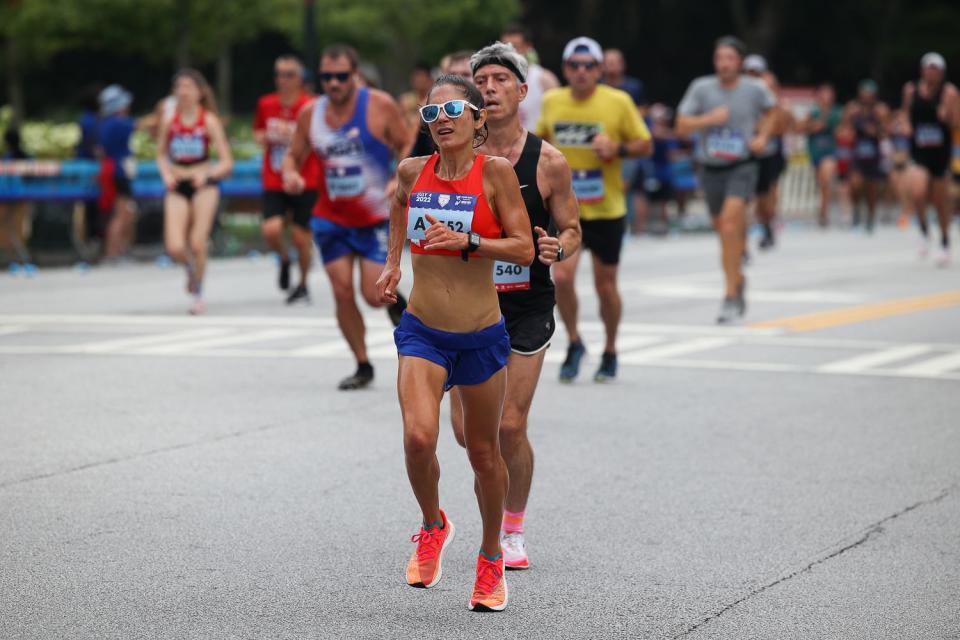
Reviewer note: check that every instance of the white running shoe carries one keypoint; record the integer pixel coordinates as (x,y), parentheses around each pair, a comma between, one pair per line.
(923,249)
(943,257)
(197,308)
(514,551)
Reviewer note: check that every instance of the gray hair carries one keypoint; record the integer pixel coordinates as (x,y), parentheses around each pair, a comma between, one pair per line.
(503,54)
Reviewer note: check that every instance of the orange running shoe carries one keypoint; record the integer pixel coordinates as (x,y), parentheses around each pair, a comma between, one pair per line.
(424,569)
(490,589)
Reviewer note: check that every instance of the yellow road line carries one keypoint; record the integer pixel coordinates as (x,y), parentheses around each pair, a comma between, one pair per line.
(861,313)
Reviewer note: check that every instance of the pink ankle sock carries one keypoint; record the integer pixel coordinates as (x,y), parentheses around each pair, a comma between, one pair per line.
(513,521)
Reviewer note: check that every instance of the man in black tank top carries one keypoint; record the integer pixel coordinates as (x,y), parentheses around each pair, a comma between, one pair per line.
(932,104)
(526,293)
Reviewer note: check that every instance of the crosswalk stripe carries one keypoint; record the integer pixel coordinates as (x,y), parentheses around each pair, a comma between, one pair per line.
(222,341)
(933,366)
(624,345)
(12,329)
(875,359)
(684,347)
(109,346)
(339,346)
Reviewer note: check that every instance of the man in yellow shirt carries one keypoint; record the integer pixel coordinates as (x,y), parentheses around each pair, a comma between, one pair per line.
(594,126)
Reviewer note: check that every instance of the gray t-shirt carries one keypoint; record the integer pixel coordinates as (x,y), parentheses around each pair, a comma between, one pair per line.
(747,101)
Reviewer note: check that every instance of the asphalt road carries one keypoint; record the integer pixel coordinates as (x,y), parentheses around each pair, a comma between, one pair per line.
(796,476)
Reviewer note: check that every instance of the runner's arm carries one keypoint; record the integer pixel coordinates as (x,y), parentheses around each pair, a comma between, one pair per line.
(562,205)
(163,160)
(407,173)
(224,155)
(396,132)
(260,126)
(297,152)
(947,101)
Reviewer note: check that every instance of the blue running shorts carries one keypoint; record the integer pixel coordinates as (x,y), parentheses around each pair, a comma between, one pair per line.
(469,358)
(335,240)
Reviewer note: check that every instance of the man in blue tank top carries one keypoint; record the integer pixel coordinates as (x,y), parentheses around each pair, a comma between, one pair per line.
(355,133)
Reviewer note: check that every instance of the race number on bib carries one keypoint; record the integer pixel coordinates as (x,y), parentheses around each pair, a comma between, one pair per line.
(511,277)
(725,144)
(575,134)
(928,135)
(866,149)
(344,182)
(277,152)
(588,185)
(452,209)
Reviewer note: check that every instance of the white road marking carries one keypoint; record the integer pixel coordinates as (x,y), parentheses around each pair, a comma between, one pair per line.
(120,344)
(684,347)
(167,321)
(12,329)
(640,344)
(875,359)
(934,366)
(693,292)
(192,346)
(338,346)
(624,344)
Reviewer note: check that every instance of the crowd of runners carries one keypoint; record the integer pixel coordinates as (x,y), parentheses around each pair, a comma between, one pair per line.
(497,179)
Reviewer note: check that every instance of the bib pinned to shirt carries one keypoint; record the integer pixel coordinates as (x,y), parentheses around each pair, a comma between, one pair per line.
(724,143)
(452,209)
(511,277)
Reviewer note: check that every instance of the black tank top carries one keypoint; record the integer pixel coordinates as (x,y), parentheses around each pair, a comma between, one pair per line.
(929,133)
(540,295)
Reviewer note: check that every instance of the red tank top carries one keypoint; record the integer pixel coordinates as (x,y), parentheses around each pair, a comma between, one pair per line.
(460,204)
(188,144)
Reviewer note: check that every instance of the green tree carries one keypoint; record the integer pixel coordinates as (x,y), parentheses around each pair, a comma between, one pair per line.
(398,33)
(31,32)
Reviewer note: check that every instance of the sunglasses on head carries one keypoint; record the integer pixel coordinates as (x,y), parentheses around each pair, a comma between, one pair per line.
(577,66)
(340,76)
(453,108)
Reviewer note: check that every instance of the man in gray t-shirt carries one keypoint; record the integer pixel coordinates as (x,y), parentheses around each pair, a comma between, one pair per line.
(728,111)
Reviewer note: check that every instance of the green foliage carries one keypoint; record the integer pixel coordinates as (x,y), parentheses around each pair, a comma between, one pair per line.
(390,31)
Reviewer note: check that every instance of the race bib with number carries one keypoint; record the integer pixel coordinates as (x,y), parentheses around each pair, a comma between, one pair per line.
(575,134)
(277,152)
(866,149)
(588,185)
(187,147)
(725,144)
(345,181)
(928,135)
(452,209)
(511,277)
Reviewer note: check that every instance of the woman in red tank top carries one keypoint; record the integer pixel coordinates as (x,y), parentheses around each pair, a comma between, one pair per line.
(183,158)
(461,211)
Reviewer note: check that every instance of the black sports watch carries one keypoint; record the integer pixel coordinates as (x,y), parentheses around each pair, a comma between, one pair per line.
(560,253)
(473,243)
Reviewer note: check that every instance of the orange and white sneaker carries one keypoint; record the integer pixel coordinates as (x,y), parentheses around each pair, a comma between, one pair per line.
(514,550)
(490,589)
(425,569)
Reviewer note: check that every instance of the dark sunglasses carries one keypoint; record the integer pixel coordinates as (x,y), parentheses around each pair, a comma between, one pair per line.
(340,76)
(453,108)
(577,66)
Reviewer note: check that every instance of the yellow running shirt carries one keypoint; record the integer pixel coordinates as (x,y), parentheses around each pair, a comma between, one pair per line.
(570,125)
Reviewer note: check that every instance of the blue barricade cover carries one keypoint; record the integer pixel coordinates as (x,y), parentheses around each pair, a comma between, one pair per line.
(77,180)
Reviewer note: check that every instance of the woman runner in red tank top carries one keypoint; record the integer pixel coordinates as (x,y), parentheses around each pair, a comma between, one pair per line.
(183,158)
(460,211)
